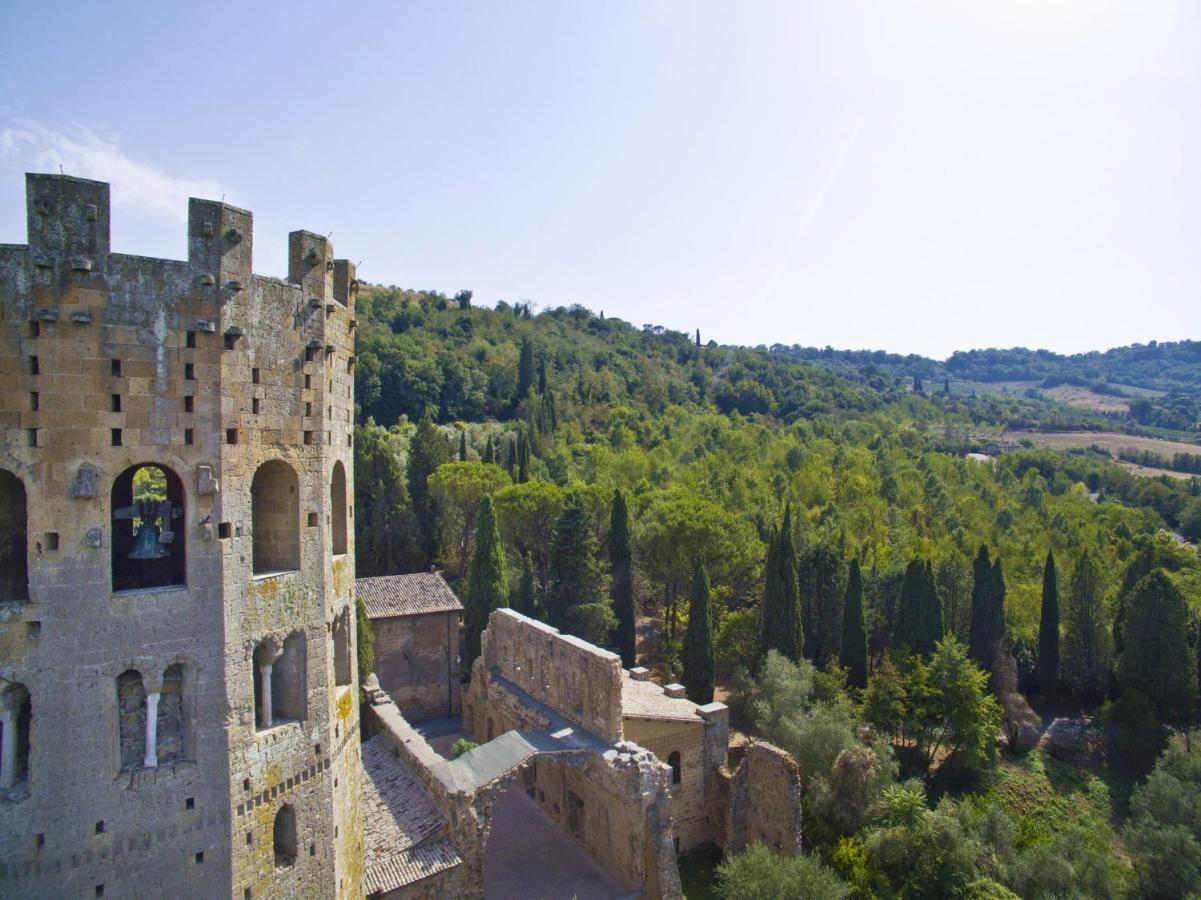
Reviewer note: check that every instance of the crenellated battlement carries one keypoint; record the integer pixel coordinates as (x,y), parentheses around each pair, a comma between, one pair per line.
(68,229)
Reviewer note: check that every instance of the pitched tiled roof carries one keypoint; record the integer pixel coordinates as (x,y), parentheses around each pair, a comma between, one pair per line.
(403,829)
(406,595)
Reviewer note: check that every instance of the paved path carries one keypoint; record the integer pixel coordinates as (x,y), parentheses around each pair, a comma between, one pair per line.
(528,858)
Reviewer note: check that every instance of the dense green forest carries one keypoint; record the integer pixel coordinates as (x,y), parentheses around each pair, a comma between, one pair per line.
(812,542)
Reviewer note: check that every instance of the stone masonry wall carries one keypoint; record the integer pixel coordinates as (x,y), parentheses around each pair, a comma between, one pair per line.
(578,680)
(765,801)
(199,366)
(416,661)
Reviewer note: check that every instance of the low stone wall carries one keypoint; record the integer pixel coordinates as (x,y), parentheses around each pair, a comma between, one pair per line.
(765,801)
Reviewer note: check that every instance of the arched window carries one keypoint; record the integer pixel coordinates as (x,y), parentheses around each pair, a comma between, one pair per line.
(14,545)
(337,505)
(342,666)
(275,518)
(283,836)
(16,716)
(147,527)
(674,761)
(131,718)
(279,682)
(170,727)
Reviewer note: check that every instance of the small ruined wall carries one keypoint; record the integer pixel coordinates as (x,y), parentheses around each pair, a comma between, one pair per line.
(765,801)
(579,681)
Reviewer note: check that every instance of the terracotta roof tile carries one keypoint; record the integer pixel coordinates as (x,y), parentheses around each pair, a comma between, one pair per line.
(406,595)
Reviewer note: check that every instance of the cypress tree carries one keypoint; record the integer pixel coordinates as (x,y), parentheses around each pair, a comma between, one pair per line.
(487,583)
(525,370)
(366,640)
(782,629)
(1048,629)
(912,631)
(1156,658)
(621,588)
(489,451)
(697,656)
(980,646)
(428,449)
(932,621)
(511,458)
(575,576)
(542,373)
(525,603)
(523,458)
(853,655)
(463,445)
(996,622)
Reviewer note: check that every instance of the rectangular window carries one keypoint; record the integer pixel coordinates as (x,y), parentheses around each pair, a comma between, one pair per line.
(312,520)
(51,540)
(188,403)
(254,376)
(34,401)
(308,408)
(189,371)
(224,530)
(254,405)
(35,329)
(33,437)
(188,437)
(116,367)
(308,437)
(116,402)
(116,437)
(230,341)
(308,382)
(231,435)
(191,339)
(34,366)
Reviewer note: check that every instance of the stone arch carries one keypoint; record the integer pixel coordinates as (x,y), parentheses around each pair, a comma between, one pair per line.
(16,721)
(343,670)
(131,719)
(279,681)
(275,518)
(337,506)
(677,768)
(147,536)
(283,836)
(14,538)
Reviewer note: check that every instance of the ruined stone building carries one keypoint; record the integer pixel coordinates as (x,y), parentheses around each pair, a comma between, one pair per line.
(631,771)
(178,699)
(416,620)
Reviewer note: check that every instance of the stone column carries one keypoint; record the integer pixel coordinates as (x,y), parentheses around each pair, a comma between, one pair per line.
(10,712)
(267,654)
(150,761)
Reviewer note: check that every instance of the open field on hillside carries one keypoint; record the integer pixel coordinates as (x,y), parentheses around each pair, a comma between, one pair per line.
(1112,441)
(1067,394)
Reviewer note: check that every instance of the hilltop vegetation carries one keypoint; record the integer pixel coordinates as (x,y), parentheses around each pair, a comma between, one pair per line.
(813,541)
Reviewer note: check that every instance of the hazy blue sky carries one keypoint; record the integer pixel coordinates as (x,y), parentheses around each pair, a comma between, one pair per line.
(918,176)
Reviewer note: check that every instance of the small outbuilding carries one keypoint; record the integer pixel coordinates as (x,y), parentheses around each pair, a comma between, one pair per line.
(417,623)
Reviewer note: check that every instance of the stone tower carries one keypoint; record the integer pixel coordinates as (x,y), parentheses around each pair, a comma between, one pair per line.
(178,697)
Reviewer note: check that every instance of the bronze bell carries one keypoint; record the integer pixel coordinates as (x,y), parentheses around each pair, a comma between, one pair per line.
(146,544)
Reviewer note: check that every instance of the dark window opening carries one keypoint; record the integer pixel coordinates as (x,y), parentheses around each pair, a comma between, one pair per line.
(254,376)
(283,835)
(16,716)
(170,728)
(189,371)
(190,339)
(189,403)
(148,528)
(342,667)
(231,435)
(34,401)
(35,329)
(308,409)
(33,437)
(200,857)
(337,500)
(14,544)
(34,366)
(116,402)
(308,437)
(116,367)
(115,437)
(224,530)
(51,540)
(131,717)
(313,521)
(188,436)
(308,382)
(275,518)
(254,405)
(673,760)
